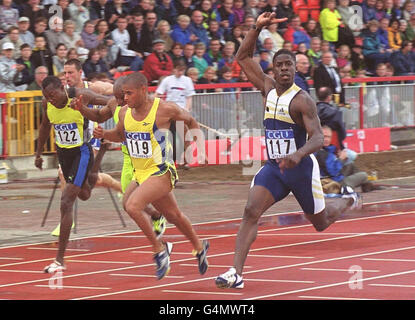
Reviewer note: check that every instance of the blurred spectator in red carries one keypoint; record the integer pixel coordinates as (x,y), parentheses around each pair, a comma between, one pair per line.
(229,60)
(158,63)
(295,33)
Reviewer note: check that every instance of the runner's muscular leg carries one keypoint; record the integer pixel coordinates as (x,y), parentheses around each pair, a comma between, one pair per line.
(259,200)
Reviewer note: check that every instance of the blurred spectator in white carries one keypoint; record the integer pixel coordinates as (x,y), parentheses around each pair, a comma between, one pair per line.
(24,33)
(251,8)
(8,16)
(69,36)
(349,17)
(10,71)
(13,37)
(271,33)
(79,14)
(54,33)
(59,59)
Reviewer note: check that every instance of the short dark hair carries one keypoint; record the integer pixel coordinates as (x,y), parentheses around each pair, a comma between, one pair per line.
(53,81)
(323,93)
(284,51)
(24,46)
(136,78)
(74,62)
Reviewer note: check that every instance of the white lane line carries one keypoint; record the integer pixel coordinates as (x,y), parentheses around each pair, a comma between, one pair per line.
(39,248)
(95,261)
(393,260)
(272,256)
(204,292)
(393,285)
(276,280)
(210,265)
(142,275)
(73,287)
(332,298)
(22,271)
(173,252)
(326,269)
(8,258)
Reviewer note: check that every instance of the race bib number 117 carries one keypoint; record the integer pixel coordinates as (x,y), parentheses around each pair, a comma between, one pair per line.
(280,143)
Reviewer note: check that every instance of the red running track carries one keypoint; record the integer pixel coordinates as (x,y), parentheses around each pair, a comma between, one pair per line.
(365,255)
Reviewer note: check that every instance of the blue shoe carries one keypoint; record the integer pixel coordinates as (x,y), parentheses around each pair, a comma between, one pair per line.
(348,192)
(162,260)
(229,279)
(202,257)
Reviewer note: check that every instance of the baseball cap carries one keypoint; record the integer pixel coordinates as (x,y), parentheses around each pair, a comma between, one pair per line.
(8,46)
(24,19)
(158,41)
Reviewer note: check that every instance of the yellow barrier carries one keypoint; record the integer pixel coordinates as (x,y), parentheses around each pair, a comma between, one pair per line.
(23,117)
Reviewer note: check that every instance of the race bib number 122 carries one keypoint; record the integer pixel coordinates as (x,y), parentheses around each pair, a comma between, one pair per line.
(67,134)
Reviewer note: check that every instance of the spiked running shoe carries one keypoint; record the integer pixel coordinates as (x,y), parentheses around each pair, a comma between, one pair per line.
(159,225)
(229,279)
(202,257)
(162,260)
(348,192)
(54,267)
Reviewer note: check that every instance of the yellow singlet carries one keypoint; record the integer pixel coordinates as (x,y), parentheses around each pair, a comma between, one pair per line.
(149,149)
(68,124)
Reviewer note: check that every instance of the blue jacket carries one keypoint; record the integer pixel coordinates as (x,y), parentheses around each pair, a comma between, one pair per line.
(371,43)
(301,81)
(180,35)
(383,38)
(369,13)
(403,64)
(330,165)
(200,32)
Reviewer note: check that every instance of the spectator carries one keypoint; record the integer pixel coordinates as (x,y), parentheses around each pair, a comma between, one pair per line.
(408,9)
(59,59)
(270,46)
(41,54)
(312,28)
(338,166)
(345,72)
(33,10)
(69,37)
(158,63)
(394,36)
(372,50)
(63,4)
(188,51)
(41,73)
(358,59)
(331,116)
(79,14)
(40,27)
(229,60)
(295,32)
(13,37)
(9,16)
(72,54)
(216,32)
(28,72)
(184,7)
(264,59)
(379,10)
(343,56)
(53,34)
(176,52)
(121,38)
(303,67)
(135,29)
(390,11)
(103,33)
(349,17)
(271,33)
(327,76)
(163,28)
(198,61)
(10,71)
(142,6)
(251,8)
(301,48)
(149,33)
(397,10)
(272,6)
(288,45)
(285,10)
(383,34)
(97,10)
(193,74)
(330,21)
(226,15)
(235,36)
(94,64)
(214,54)
(403,25)
(166,10)
(209,77)
(181,32)
(89,38)
(226,76)
(106,58)
(238,11)
(113,11)
(410,30)
(368,10)
(403,60)
(196,28)
(25,35)
(314,53)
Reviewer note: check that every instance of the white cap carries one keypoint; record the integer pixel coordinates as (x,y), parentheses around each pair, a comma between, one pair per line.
(8,45)
(24,19)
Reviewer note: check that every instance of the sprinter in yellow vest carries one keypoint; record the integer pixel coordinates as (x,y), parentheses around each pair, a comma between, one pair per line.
(144,127)
(74,151)
(112,109)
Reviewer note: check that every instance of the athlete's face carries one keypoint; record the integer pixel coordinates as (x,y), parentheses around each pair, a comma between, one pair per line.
(55,96)
(134,96)
(284,69)
(72,75)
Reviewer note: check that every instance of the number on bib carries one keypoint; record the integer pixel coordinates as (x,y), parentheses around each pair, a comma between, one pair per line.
(67,134)
(280,143)
(139,144)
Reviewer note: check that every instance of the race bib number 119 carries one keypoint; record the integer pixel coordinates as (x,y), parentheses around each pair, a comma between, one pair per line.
(280,143)
(139,144)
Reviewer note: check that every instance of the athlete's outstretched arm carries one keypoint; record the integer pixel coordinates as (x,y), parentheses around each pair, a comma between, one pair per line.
(246,51)
(116,134)
(102,87)
(97,115)
(88,96)
(44,132)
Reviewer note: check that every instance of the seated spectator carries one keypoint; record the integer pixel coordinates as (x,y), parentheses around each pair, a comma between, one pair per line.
(89,38)
(287,45)
(390,11)
(197,29)
(349,17)
(314,53)
(339,167)
(209,77)
(181,32)
(379,10)
(135,30)
(235,36)
(383,34)
(368,10)
(10,71)
(403,60)
(103,33)
(403,25)
(229,60)
(330,21)
(176,52)
(295,33)
(252,9)
(13,37)
(226,76)
(41,54)
(343,56)
(193,74)
(208,13)
(69,37)
(188,51)
(125,56)
(372,50)
(214,53)
(271,33)
(149,33)
(184,7)
(166,10)
(79,14)
(407,10)
(303,67)
(265,59)
(313,29)
(25,35)
(272,6)
(198,61)
(106,58)
(28,72)
(163,27)
(345,72)
(97,10)
(301,48)
(284,10)
(394,36)
(72,54)
(58,60)
(53,35)
(226,15)
(113,10)
(158,63)
(358,59)
(239,12)
(216,32)
(34,11)
(9,16)
(40,74)
(94,64)
(410,30)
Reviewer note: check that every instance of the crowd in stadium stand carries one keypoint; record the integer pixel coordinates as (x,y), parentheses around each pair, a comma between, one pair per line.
(113,36)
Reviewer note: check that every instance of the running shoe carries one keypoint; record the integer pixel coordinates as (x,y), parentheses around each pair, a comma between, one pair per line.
(162,260)
(54,267)
(202,257)
(229,279)
(57,230)
(348,192)
(159,225)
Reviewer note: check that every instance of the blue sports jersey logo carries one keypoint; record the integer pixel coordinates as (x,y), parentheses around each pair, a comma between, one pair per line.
(279,134)
(65,127)
(137,135)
